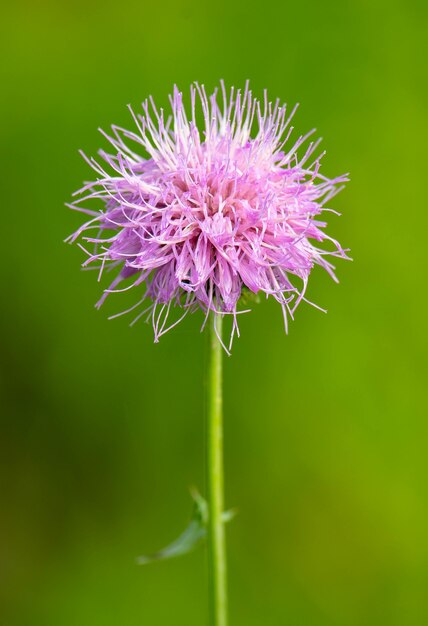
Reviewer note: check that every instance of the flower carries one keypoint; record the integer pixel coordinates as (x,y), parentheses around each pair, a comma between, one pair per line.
(205,217)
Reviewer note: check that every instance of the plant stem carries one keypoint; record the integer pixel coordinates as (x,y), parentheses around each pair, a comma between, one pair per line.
(215,480)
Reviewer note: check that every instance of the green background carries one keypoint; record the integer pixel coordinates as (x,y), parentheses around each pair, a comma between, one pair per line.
(102,431)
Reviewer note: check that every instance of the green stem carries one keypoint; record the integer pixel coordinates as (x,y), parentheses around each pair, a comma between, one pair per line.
(215,480)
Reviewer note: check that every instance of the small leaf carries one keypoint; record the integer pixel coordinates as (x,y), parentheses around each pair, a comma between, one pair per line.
(189,539)
(229,515)
(192,536)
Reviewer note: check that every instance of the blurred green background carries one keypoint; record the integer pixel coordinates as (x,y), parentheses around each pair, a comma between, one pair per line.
(326,430)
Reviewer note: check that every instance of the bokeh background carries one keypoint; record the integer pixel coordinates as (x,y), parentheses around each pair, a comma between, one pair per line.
(326,430)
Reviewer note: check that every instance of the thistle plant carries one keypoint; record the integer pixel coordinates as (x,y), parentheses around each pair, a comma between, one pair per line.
(202,209)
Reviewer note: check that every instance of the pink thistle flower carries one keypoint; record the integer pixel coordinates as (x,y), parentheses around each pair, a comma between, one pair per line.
(205,216)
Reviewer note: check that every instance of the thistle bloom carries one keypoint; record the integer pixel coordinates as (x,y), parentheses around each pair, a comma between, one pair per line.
(205,216)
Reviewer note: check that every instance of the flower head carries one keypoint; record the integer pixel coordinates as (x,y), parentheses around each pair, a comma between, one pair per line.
(194,218)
